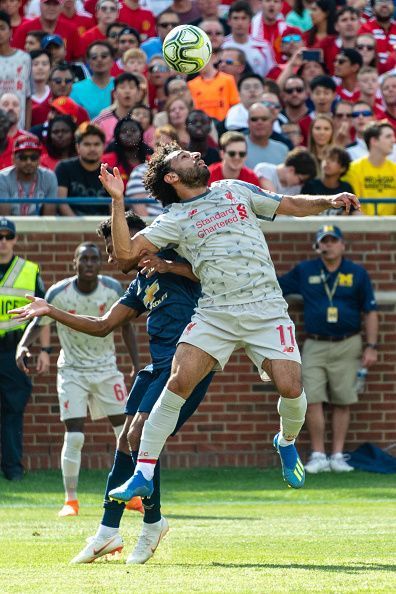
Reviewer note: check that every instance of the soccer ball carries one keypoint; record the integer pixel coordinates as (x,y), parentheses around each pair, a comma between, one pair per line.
(187,49)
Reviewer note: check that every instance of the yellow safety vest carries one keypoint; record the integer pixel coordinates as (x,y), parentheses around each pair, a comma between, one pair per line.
(19,280)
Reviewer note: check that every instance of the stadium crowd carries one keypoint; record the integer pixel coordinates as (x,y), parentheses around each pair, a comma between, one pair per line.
(298,95)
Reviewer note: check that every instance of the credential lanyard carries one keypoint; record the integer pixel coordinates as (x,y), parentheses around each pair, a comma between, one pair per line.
(329,292)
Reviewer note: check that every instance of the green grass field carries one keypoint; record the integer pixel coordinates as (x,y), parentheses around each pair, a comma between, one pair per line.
(232,530)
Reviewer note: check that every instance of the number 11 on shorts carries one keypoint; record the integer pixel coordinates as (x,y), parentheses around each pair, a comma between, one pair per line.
(286,338)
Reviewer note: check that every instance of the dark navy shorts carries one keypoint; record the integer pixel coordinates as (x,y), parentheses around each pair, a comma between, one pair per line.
(148,386)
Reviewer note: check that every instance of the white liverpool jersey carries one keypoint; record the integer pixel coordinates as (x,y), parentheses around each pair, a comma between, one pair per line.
(219,233)
(81,351)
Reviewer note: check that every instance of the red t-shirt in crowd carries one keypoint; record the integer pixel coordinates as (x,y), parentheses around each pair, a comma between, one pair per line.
(81,22)
(386,40)
(6,155)
(140,19)
(94,34)
(246,174)
(40,112)
(68,33)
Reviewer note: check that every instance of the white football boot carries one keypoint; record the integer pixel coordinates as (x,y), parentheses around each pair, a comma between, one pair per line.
(149,539)
(97,548)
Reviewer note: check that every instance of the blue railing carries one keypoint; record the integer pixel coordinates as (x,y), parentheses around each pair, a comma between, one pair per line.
(130,201)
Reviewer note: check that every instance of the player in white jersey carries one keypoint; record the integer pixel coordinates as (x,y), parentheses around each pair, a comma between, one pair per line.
(87,371)
(218,231)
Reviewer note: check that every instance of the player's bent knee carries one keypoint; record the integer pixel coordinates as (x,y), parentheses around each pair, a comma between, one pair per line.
(290,389)
(180,386)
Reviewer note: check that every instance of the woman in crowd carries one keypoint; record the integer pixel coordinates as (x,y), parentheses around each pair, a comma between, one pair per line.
(323,17)
(366,45)
(321,137)
(128,148)
(59,142)
(143,114)
(178,110)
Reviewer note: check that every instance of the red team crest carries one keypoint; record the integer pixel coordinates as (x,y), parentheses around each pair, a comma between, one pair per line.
(230,197)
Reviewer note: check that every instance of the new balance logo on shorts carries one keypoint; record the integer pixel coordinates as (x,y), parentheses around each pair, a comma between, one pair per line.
(189,327)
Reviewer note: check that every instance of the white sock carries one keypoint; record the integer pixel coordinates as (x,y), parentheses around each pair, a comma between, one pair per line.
(117,430)
(156,430)
(292,416)
(71,462)
(105,532)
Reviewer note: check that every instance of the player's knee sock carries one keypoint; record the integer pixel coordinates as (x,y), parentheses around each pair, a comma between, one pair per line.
(71,462)
(152,505)
(292,413)
(123,467)
(156,430)
(117,430)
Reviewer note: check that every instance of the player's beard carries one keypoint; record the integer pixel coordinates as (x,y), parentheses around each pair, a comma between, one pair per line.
(195,177)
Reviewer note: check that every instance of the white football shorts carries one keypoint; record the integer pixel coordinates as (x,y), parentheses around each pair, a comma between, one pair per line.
(263,329)
(104,393)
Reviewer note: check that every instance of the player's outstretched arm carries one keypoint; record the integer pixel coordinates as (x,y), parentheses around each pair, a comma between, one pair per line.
(127,250)
(94,326)
(303,206)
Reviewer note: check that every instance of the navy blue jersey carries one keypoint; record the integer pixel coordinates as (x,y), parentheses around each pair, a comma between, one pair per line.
(354,294)
(170,300)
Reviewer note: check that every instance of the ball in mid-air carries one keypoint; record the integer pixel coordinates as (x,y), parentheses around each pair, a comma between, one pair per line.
(187,49)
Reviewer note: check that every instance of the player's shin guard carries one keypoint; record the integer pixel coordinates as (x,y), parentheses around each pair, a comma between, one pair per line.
(152,505)
(123,468)
(156,430)
(71,462)
(292,416)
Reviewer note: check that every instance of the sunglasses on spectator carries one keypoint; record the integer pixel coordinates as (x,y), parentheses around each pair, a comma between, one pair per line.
(365,113)
(290,38)
(27,157)
(259,118)
(7,237)
(99,56)
(362,46)
(340,60)
(108,9)
(271,104)
(58,81)
(158,68)
(340,116)
(168,25)
(217,33)
(232,154)
(294,90)
(114,34)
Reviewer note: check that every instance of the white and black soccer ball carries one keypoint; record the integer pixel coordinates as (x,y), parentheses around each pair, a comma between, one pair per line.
(187,49)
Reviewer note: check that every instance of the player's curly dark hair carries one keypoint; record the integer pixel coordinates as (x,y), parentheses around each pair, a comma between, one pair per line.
(154,177)
(133,222)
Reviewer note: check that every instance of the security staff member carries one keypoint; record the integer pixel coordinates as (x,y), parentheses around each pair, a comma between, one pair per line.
(17,278)
(335,292)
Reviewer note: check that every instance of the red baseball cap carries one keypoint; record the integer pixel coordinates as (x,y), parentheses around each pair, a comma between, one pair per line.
(27,142)
(66,106)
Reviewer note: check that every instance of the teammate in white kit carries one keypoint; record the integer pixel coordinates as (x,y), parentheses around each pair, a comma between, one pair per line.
(218,231)
(87,371)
